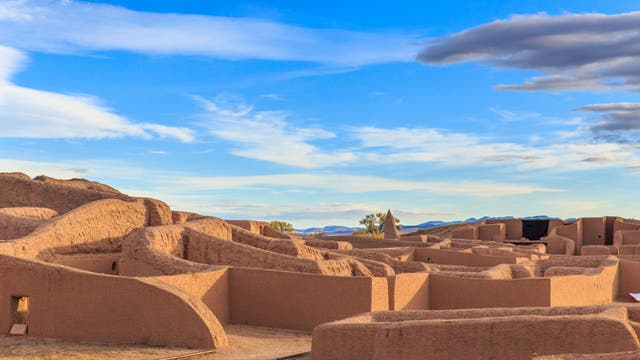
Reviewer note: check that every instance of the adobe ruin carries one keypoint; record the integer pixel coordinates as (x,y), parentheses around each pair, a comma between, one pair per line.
(76,253)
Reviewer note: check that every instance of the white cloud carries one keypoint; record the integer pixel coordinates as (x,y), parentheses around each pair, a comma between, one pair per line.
(451,149)
(75,26)
(32,113)
(344,183)
(267,136)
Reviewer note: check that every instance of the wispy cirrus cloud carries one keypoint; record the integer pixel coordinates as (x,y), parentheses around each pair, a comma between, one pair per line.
(274,137)
(33,113)
(453,149)
(347,183)
(592,52)
(268,136)
(77,26)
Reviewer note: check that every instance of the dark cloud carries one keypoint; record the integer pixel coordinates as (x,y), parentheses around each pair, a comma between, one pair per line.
(615,122)
(598,159)
(575,51)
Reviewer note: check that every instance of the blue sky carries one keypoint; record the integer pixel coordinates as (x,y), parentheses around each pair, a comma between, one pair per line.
(319,112)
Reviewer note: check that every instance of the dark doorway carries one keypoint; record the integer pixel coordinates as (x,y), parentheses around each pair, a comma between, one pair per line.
(534,229)
(608,230)
(185,247)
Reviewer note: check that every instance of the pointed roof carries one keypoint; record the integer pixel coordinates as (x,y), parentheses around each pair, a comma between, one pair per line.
(390,231)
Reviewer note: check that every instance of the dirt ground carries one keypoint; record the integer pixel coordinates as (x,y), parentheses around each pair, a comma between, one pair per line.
(247,342)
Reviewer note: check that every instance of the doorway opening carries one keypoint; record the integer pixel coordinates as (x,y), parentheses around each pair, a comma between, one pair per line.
(20,309)
(534,229)
(185,247)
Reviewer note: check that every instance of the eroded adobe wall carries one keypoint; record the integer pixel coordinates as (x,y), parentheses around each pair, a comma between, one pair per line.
(449,292)
(589,287)
(626,237)
(97,227)
(78,183)
(409,291)
(18,190)
(260,228)
(364,242)
(516,335)
(107,263)
(629,277)
(491,232)
(30,212)
(466,232)
(625,224)
(554,223)
(592,231)
(13,227)
(569,231)
(513,227)
(451,257)
(75,305)
(211,287)
(300,301)
(215,242)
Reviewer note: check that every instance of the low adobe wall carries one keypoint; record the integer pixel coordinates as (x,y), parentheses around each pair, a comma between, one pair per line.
(465,232)
(300,301)
(260,228)
(475,334)
(593,231)
(625,224)
(568,230)
(211,287)
(513,227)
(409,291)
(452,257)
(629,278)
(364,242)
(626,237)
(449,292)
(75,305)
(491,232)
(594,286)
(107,263)
(215,242)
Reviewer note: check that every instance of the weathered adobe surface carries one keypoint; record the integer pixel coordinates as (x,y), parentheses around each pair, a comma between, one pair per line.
(69,303)
(508,333)
(213,241)
(13,227)
(18,190)
(96,227)
(260,228)
(625,355)
(30,212)
(79,183)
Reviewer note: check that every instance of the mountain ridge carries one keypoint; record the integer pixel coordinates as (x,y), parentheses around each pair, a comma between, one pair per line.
(346,230)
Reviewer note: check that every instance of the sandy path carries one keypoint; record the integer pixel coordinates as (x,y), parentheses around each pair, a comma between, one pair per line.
(247,342)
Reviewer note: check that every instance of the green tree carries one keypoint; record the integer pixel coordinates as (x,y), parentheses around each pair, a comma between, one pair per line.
(282,226)
(374,223)
(370,222)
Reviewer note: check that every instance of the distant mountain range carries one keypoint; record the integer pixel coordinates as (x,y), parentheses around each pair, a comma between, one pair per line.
(345,230)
